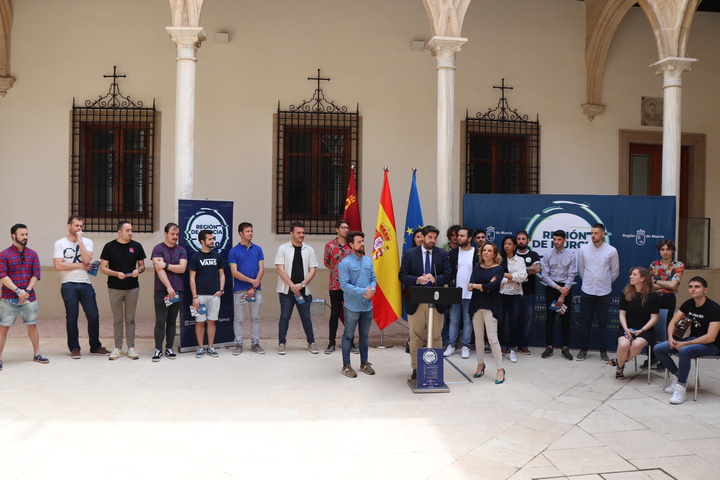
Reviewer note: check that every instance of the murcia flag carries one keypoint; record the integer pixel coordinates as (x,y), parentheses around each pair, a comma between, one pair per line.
(387,302)
(352,207)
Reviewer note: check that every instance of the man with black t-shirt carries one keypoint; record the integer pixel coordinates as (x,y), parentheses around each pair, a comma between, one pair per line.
(207,283)
(533,267)
(122,260)
(703,317)
(296,265)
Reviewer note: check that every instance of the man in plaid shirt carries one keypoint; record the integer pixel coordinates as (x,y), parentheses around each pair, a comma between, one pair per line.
(19,272)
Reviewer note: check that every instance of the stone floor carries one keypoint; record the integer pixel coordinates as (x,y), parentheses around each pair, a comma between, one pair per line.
(271,416)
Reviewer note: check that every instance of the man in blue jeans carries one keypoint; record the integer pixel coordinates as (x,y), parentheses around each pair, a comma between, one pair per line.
(703,319)
(462,260)
(72,257)
(296,265)
(358,282)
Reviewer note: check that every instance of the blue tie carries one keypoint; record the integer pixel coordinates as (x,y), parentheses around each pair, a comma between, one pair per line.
(428,261)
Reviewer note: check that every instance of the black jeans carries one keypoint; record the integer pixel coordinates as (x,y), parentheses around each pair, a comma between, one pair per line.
(550,296)
(165,320)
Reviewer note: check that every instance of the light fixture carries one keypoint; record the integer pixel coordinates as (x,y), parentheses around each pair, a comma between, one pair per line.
(222,38)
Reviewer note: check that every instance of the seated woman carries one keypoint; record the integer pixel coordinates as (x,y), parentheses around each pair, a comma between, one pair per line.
(484,283)
(639,308)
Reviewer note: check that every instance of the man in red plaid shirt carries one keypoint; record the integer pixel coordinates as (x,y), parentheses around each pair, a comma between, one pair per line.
(335,250)
(19,272)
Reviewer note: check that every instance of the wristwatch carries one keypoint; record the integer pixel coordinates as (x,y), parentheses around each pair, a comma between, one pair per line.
(167,266)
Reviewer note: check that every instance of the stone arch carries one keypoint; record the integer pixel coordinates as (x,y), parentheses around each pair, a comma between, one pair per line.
(602,18)
(6,20)
(671,23)
(446,16)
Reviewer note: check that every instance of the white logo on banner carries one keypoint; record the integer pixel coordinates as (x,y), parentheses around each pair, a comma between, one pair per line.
(576,219)
(207,219)
(640,237)
(490,234)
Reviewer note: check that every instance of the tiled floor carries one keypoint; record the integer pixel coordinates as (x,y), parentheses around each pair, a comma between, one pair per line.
(271,416)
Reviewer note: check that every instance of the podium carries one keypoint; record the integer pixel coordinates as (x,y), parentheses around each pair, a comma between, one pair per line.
(430,373)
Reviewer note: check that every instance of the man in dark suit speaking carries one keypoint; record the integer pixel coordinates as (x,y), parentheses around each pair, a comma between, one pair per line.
(424,265)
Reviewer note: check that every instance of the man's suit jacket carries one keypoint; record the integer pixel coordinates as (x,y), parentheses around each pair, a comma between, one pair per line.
(411,268)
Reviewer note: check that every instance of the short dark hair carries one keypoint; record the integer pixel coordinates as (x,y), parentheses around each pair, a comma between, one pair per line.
(170,226)
(203,235)
(666,243)
(479,230)
(243,226)
(350,237)
(430,229)
(522,232)
(453,229)
(121,223)
(699,280)
(14,228)
(71,218)
(467,229)
(295,225)
(559,233)
(339,223)
(600,226)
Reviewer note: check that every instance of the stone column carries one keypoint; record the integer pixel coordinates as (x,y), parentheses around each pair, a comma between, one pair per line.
(187,40)
(671,69)
(444,49)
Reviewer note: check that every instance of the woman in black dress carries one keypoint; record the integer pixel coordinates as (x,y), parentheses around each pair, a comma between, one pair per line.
(639,307)
(484,283)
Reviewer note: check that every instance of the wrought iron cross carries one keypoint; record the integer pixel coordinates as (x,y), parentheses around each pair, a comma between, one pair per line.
(503,88)
(114,76)
(318,78)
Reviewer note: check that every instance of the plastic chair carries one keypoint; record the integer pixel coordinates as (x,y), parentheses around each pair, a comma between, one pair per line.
(660,329)
(697,370)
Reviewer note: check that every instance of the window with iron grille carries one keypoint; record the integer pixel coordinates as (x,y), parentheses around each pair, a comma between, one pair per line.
(112,162)
(317,144)
(502,150)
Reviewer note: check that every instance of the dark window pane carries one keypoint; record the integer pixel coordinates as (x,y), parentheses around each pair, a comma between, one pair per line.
(300,186)
(300,143)
(103,139)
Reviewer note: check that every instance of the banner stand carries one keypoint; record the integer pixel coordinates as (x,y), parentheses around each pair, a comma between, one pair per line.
(382,342)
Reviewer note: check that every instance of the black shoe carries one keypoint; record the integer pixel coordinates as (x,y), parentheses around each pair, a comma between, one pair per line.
(659,367)
(414,374)
(547,353)
(582,355)
(566,353)
(407,347)
(644,365)
(604,357)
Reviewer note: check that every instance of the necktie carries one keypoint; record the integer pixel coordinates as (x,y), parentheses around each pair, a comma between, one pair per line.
(428,261)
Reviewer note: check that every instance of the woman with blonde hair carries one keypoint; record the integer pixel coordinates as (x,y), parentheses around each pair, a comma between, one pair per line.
(639,307)
(484,283)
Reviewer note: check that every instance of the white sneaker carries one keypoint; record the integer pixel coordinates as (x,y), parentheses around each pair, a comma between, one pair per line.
(115,354)
(671,388)
(449,351)
(465,352)
(512,356)
(678,395)
(132,354)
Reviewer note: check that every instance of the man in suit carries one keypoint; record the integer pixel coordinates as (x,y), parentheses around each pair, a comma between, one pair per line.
(424,265)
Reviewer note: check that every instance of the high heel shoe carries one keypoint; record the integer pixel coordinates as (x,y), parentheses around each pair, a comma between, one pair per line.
(482,372)
(498,382)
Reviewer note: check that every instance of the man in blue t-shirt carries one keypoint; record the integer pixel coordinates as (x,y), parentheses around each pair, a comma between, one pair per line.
(207,281)
(247,265)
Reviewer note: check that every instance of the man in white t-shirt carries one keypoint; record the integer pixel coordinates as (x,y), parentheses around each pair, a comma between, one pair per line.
(462,261)
(72,257)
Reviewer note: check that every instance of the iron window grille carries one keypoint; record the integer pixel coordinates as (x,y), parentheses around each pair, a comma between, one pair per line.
(502,150)
(317,144)
(112,161)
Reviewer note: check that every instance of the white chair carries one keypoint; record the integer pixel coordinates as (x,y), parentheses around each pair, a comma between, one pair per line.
(697,370)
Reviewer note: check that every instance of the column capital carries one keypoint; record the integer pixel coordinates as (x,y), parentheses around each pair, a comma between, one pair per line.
(445,48)
(187,36)
(672,68)
(5,84)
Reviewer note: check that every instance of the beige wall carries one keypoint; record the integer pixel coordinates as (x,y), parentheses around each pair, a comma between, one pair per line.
(60,50)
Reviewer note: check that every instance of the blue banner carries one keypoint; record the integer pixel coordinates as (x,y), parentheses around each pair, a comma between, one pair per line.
(214,215)
(634,225)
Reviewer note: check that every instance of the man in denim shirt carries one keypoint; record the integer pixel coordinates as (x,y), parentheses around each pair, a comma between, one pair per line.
(357,280)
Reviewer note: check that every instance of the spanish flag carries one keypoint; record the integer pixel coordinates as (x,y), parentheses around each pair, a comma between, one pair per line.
(387,302)
(352,208)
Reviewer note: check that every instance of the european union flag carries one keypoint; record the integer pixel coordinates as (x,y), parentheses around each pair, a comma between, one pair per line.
(414,218)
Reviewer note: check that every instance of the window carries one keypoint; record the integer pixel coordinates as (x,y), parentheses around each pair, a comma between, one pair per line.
(317,145)
(502,157)
(112,163)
